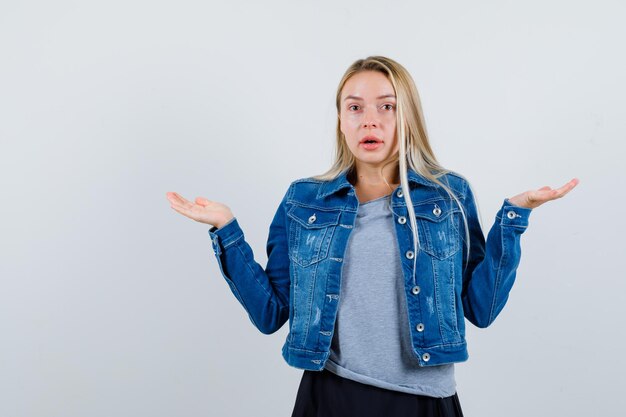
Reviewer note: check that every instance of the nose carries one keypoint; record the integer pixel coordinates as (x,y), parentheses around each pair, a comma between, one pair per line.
(369,119)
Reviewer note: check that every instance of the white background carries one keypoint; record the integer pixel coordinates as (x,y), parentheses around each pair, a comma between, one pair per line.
(112,304)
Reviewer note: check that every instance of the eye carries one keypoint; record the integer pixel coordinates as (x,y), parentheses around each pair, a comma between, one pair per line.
(389,106)
(351,107)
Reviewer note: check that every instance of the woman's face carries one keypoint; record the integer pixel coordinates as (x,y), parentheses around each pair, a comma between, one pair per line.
(368,112)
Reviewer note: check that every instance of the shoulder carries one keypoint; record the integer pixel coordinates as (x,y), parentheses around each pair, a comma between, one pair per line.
(307,180)
(306,183)
(305,189)
(457,182)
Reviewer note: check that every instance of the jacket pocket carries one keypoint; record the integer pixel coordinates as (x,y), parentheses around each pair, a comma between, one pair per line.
(438,224)
(310,233)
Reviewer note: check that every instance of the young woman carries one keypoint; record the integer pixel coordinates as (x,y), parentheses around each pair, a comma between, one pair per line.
(376,263)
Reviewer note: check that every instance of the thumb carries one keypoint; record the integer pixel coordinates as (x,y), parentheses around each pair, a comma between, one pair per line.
(202,201)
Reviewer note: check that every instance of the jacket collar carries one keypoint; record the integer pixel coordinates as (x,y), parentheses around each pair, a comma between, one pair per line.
(341,182)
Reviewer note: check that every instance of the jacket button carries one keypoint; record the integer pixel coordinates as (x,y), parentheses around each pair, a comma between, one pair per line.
(437,211)
(399,193)
(420,327)
(410,254)
(426,357)
(511,215)
(312,218)
(415,290)
(401,219)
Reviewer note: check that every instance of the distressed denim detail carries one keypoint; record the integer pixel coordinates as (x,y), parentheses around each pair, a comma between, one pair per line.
(439,233)
(308,237)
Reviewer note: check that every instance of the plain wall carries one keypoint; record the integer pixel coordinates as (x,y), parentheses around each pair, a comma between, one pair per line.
(112,304)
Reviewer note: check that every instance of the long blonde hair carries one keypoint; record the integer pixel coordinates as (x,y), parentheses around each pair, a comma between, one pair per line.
(411,132)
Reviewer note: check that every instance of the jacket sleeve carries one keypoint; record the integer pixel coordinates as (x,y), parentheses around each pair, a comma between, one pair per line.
(489,272)
(264,293)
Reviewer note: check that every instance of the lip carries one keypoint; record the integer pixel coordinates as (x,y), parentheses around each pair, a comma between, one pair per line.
(370,137)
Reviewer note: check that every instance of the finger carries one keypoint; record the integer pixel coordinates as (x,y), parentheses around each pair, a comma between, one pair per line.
(544,188)
(183,210)
(171,196)
(174,197)
(560,192)
(178,199)
(543,195)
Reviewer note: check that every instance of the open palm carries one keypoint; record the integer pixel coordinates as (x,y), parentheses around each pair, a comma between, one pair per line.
(535,198)
(201,210)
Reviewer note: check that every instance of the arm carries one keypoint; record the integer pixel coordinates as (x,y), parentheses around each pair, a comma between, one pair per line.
(491,267)
(263,293)
(492,264)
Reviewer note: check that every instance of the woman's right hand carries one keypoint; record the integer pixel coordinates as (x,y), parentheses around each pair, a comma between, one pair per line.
(202,210)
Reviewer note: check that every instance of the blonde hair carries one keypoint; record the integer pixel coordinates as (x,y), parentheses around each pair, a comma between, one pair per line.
(411,132)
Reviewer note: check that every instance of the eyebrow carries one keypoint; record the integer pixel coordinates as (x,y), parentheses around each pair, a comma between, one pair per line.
(379,97)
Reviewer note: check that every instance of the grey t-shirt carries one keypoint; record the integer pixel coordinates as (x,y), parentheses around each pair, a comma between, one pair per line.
(371,342)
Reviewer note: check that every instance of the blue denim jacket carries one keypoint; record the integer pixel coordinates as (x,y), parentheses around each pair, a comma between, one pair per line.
(305,248)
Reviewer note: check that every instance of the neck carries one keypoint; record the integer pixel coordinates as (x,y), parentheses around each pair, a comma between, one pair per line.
(368,176)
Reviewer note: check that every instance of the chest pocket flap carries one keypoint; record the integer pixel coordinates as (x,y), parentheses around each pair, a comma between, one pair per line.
(438,223)
(311,233)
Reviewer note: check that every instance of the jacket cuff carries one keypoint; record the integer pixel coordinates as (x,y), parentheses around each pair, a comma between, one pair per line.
(225,236)
(512,215)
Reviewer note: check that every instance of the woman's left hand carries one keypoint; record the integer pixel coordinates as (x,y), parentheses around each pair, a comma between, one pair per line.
(534,198)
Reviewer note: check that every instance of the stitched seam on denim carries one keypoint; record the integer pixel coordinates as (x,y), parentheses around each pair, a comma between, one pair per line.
(400,203)
(452,295)
(316,352)
(228,280)
(238,295)
(464,182)
(231,242)
(303,222)
(308,179)
(498,276)
(254,275)
(443,345)
(517,226)
(318,207)
(290,192)
(465,256)
(326,305)
(310,302)
(436,299)
(430,247)
(292,302)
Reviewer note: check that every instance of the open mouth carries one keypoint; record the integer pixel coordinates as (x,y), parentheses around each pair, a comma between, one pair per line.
(370,140)
(371,145)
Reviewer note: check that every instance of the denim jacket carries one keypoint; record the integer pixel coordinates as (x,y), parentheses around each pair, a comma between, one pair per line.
(307,242)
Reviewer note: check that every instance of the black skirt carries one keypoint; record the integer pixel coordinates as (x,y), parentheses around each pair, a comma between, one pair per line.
(324,394)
